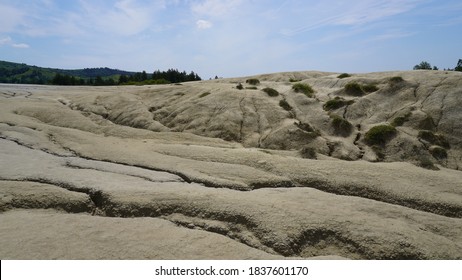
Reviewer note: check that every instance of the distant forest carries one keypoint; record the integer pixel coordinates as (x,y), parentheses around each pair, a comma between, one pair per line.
(138,78)
(17,73)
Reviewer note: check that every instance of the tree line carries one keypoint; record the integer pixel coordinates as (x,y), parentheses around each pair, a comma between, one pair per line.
(138,78)
(18,76)
(68,80)
(424,65)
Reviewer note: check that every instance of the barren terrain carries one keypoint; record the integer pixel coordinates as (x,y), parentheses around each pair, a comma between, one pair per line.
(203,170)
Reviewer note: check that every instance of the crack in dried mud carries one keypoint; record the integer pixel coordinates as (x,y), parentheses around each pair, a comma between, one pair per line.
(345,190)
(243,116)
(311,242)
(448,210)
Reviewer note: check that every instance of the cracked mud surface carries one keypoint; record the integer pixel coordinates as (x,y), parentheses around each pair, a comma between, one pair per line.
(159,172)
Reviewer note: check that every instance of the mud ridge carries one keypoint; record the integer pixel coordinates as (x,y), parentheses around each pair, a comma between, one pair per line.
(448,210)
(356,191)
(159,209)
(95,195)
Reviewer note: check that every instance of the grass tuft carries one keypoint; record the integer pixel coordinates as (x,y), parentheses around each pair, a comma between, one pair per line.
(336,103)
(286,106)
(432,138)
(204,94)
(438,152)
(341,126)
(308,152)
(304,88)
(253,82)
(356,89)
(271,92)
(380,135)
(343,75)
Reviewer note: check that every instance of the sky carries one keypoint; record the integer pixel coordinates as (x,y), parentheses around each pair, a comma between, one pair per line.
(232,38)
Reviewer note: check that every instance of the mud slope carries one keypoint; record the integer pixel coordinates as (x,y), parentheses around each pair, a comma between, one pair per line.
(203,170)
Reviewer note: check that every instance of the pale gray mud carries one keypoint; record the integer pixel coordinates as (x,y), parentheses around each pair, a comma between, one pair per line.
(206,171)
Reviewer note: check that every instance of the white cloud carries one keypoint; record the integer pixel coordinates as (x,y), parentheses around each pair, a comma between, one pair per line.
(125,17)
(215,8)
(357,13)
(368,11)
(10,18)
(203,24)
(9,42)
(5,41)
(20,46)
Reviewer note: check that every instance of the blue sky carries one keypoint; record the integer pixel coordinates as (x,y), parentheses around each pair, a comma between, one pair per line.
(232,38)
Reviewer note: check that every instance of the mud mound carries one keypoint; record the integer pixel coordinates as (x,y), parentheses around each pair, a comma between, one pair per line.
(219,173)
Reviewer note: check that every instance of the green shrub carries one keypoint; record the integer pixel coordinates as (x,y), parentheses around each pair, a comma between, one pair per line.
(271,92)
(343,75)
(308,152)
(147,82)
(286,106)
(435,139)
(310,131)
(399,121)
(253,82)
(239,86)
(427,123)
(355,89)
(251,88)
(379,135)
(395,80)
(341,126)
(304,126)
(438,152)
(427,136)
(336,103)
(379,152)
(303,88)
(426,163)
(292,80)
(369,88)
(204,94)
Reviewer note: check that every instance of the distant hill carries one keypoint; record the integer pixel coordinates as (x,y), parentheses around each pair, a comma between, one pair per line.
(20,73)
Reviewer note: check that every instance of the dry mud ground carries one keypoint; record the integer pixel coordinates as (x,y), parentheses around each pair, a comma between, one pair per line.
(203,170)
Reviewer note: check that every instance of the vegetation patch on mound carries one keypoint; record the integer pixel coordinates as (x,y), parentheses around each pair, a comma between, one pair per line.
(379,135)
(311,131)
(399,121)
(271,92)
(308,152)
(438,152)
(395,80)
(204,94)
(343,75)
(336,103)
(434,139)
(304,88)
(341,126)
(253,81)
(426,163)
(285,105)
(356,89)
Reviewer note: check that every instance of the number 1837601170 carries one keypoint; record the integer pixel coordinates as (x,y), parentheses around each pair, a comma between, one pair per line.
(273,270)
